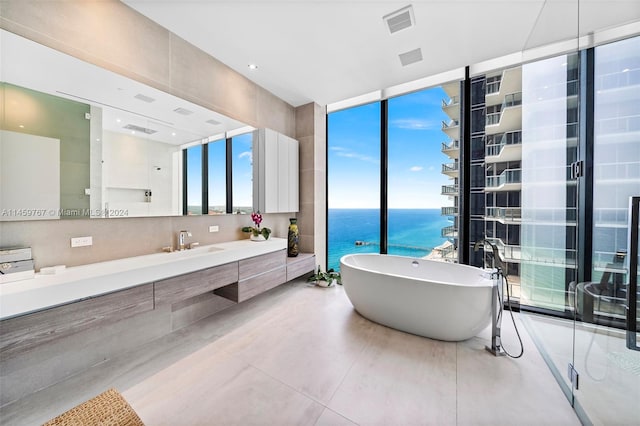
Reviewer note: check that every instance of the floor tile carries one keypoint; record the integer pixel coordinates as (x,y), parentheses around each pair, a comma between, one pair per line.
(400,379)
(213,387)
(331,418)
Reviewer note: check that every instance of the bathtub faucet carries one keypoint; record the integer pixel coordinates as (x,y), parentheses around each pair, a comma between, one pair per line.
(497,261)
(496,299)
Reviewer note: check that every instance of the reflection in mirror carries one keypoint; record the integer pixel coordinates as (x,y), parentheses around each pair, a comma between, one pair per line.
(242,176)
(79,141)
(217,171)
(212,170)
(194,180)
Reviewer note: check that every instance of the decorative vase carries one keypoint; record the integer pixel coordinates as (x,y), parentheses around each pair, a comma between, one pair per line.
(293,237)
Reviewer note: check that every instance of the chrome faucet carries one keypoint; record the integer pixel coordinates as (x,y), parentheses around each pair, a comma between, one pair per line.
(181,236)
(497,261)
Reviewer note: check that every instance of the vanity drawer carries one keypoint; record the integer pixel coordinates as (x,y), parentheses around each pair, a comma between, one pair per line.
(303,264)
(183,287)
(18,335)
(260,264)
(246,289)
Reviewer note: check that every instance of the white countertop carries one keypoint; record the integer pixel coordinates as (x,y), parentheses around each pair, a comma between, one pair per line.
(82,282)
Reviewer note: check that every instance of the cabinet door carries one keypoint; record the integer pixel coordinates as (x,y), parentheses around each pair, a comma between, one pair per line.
(283,173)
(293,176)
(275,172)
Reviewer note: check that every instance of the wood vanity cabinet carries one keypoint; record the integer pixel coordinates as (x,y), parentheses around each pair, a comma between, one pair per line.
(185,286)
(22,333)
(300,265)
(257,275)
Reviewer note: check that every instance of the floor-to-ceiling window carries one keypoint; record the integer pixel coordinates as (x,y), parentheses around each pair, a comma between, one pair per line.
(353,172)
(549,147)
(422,131)
(616,165)
(416,208)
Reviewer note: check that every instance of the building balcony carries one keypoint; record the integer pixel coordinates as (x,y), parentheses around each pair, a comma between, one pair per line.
(507,148)
(450,253)
(510,252)
(451,129)
(508,180)
(449,211)
(449,190)
(450,169)
(504,214)
(510,82)
(451,107)
(449,232)
(509,118)
(451,148)
(452,88)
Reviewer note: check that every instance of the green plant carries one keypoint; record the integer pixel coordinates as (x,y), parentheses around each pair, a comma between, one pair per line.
(328,276)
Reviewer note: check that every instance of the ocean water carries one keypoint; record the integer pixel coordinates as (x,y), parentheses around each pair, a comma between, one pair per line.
(412,232)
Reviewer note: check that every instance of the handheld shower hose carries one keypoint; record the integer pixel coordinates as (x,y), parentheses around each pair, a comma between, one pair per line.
(499,349)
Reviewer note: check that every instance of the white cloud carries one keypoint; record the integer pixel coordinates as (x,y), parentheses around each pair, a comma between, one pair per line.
(416,168)
(347,153)
(246,154)
(415,124)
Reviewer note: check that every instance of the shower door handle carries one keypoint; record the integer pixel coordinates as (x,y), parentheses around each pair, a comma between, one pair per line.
(632,287)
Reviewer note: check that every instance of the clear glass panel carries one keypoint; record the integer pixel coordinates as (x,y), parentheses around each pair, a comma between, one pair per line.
(353,170)
(194,180)
(610,373)
(419,214)
(548,229)
(242,173)
(217,178)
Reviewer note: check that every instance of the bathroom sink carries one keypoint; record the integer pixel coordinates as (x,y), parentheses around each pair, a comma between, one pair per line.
(196,251)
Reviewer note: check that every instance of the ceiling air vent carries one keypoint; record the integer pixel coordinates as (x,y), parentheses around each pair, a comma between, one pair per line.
(144,98)
(139,129)
(400,19)
(410,57)
(183,111)
(214,122)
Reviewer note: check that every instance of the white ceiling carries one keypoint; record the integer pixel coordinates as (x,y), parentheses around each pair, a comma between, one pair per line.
(330,50)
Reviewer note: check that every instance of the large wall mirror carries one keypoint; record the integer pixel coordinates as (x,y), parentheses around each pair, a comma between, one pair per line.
(78,141)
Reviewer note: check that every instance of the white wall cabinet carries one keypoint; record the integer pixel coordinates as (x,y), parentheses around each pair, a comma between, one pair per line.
(275,172)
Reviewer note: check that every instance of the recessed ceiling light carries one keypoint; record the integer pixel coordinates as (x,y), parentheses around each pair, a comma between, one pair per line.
(626,70)
(173,133)
(253,66)
(21,126)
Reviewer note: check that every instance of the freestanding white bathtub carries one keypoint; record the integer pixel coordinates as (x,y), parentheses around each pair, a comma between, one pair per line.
(439,300)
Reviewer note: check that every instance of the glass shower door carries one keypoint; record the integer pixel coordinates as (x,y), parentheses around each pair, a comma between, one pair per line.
(609,385)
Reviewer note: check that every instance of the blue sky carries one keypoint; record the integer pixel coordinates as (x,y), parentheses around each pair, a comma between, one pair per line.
(242,172)
(415,156)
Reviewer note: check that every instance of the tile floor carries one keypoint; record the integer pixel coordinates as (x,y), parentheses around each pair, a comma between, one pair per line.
(301,355)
